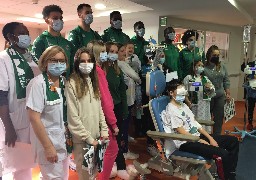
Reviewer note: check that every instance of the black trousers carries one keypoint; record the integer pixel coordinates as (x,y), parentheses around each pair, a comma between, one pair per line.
(251,105)
(228,150)
(120,161)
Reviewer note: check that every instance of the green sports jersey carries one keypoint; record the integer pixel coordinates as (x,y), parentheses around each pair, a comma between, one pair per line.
(46,40)
(139,48)
(172,58)
(186,60)
(115,35)
(79,37)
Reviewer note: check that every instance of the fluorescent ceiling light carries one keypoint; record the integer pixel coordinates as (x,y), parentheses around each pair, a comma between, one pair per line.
(29,19)
(100,6)
(39,15)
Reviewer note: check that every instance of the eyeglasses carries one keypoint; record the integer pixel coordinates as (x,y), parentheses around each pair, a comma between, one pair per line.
(61,61)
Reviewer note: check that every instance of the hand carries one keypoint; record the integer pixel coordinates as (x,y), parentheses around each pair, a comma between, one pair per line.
(213,142)
(203,142)
(51,154)
(95,144)
(104,138)
(116,131)
(10,136)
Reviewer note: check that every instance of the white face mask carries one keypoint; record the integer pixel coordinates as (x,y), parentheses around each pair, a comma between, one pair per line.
(88,19)
(86,68)
(57,25)
(24,41)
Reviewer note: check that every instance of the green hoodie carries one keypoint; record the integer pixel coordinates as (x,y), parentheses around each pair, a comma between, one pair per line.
(115,35)
(139,49)
(172,58)
(79,38)
(46,40)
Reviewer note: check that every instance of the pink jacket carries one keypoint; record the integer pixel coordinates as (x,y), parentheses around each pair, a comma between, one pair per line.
(106,99)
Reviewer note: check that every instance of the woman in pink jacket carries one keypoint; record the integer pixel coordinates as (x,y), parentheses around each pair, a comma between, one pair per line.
(99,51)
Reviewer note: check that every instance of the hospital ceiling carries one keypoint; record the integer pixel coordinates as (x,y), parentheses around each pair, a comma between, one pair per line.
(228,12)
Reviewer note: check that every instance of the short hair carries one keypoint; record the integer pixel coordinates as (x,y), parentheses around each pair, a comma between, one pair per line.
(114,13)
(48,54)
(51,8)
(137,24)
(9,28)
(81,6)
(166,29)
(187,34)
(173,84)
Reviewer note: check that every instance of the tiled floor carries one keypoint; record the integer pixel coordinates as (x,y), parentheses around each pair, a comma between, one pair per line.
(140,147)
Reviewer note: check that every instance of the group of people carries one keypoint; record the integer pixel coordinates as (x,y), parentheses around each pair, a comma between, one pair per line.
(68,94)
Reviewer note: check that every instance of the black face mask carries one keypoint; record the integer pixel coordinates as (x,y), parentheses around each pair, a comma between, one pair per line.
(215,59)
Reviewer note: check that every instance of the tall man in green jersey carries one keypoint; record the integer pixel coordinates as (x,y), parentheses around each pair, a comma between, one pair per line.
(83,34)
(52,15)
(139,42)
(115,33)
(172,61)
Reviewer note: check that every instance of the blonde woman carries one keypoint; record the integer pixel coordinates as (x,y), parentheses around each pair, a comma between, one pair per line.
(47,114)
(85,116)
(99,51)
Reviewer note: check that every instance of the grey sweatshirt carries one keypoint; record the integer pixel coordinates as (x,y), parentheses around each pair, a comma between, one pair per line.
(219,79)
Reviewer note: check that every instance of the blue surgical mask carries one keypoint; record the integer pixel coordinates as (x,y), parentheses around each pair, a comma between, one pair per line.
(180,98)
(112,56)
(57,25)
(103,56)
(141,32)
(171,36)
(161,60)
(24,41)
(88,19)
(117,24)
(199,70)
(192,43)
(56,69)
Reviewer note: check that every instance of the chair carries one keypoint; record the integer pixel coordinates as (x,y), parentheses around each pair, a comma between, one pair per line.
(179,164)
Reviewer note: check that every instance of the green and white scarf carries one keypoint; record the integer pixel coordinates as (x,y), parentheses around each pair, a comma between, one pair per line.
(22,71)
(52,98)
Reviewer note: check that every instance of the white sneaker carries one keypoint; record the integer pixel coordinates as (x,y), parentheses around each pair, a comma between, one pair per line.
(131,139)
(152,150)
(113,171)
(130,155)
(123,174)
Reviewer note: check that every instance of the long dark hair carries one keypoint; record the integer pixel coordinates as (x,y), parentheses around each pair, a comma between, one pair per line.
(209,53)
(79,78)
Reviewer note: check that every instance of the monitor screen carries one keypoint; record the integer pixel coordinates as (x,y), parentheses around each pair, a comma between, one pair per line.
(196,84)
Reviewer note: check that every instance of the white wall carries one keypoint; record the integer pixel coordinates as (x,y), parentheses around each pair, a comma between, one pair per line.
(32,31)
(235,48)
